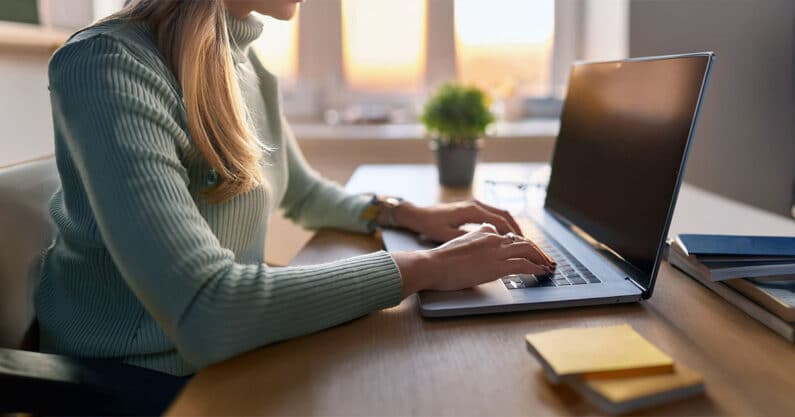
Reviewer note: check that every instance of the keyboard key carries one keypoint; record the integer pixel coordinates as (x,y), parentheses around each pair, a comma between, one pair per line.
(516,281)
(566,263)
(590,277)
(577,280)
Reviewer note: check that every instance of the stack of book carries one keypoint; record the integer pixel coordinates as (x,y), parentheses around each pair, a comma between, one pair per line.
(613,367)
(755,273)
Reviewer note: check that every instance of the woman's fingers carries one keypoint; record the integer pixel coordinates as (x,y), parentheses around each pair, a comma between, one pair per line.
(478,214)
(450,233)
(521,266)
(525,249)
(547,259)
(487,228)
(502,213)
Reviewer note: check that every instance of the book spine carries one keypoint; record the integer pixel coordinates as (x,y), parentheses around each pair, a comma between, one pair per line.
(740,301)
(751,272)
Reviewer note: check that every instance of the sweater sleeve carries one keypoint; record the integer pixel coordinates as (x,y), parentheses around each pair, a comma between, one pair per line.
(113,115)
(315,202)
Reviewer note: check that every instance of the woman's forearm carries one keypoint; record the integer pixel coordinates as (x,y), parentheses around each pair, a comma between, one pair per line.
(248,306)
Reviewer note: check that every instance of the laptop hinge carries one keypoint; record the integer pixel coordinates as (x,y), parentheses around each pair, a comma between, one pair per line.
(642,290)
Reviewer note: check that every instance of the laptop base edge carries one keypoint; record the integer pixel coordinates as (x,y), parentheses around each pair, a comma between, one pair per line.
(441,311)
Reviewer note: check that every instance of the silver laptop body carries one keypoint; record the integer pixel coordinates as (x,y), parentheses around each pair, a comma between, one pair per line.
(625,133)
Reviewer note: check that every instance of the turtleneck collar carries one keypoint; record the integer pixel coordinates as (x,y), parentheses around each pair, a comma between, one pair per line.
(242,32)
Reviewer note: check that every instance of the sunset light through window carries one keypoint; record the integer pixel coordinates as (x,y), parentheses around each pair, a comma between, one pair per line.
(384,44)
(278,47)
(505,45)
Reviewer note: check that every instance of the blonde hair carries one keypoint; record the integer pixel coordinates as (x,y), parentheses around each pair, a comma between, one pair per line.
(192,36)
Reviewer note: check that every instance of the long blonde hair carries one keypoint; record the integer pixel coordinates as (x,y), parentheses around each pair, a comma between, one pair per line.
(192,36)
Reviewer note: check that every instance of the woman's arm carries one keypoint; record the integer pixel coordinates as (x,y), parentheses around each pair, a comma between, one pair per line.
(112,114)
(315,202)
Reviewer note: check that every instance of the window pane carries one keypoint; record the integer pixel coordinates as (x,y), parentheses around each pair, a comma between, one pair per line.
(278,46)
(505,46)
(384,44)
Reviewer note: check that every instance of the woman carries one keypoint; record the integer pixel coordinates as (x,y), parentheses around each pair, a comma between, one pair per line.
(173,153)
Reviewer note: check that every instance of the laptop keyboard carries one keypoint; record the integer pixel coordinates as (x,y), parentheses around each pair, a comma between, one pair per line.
(570,271)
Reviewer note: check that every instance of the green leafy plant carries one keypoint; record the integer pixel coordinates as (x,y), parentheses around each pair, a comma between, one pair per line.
(457,114)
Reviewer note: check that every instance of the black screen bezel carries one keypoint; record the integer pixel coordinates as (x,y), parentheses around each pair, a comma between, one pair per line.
(637,276)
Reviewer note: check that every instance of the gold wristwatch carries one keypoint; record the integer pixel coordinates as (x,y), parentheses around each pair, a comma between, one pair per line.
(379,205)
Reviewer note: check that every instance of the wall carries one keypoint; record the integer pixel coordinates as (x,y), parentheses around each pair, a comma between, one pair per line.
(25,119)
(605,30)
(744,146)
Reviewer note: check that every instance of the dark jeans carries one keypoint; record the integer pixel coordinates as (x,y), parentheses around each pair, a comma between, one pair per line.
(45,384)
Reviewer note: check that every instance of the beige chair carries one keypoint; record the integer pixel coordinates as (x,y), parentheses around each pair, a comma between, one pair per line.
(48,384)
(25,231)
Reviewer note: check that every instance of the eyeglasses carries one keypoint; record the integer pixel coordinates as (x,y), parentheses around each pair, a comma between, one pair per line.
(514,196)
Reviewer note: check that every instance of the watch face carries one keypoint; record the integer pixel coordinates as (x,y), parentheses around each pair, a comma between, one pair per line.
(392,201)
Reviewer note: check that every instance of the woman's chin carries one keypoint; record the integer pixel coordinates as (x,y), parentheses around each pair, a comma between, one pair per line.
(285,12)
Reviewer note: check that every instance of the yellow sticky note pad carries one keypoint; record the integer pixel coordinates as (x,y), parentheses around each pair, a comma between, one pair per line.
(632,388)
(598,352)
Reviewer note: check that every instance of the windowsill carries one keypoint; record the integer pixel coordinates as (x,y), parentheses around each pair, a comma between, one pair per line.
(24,37)
(525,129)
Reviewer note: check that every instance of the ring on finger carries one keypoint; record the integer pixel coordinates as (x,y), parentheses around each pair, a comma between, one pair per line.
(512,236)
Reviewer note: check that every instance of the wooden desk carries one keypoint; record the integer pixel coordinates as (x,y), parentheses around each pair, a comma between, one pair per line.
(394,362)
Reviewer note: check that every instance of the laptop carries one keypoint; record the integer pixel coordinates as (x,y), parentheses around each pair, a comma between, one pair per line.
(625,131)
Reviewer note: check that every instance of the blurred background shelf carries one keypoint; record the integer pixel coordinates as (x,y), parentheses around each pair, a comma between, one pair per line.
(29,38)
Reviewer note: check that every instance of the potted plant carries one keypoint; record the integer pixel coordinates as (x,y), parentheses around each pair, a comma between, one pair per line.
(456,117)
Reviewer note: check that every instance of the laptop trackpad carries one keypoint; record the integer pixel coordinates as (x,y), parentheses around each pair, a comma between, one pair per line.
(396,240)
(490,293)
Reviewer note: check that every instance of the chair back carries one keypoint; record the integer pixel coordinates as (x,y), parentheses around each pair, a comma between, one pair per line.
(25,231)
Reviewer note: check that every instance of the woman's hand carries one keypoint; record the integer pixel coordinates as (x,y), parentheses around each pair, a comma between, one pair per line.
(474,258)
(442,222)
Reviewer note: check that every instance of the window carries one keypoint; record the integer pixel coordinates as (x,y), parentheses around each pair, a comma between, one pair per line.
(505,46)
(378,59)
(278,47)
(383,44)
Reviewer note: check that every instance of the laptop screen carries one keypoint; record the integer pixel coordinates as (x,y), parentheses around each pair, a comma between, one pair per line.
(623,139)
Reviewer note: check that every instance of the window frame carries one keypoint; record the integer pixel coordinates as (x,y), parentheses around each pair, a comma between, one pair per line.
(320,82)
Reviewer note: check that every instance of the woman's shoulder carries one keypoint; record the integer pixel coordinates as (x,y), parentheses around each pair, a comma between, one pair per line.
(127,39)
(114,50)
(136,37)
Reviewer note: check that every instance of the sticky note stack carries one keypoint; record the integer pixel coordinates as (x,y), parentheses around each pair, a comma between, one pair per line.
(614,367)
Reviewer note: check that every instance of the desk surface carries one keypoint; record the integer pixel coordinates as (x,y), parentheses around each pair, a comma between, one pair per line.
(394,362)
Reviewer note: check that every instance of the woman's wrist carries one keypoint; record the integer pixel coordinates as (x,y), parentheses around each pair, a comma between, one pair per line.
(414,270)
(387,208)
(407,216)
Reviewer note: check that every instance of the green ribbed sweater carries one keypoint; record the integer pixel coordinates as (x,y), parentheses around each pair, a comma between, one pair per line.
(143,269)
